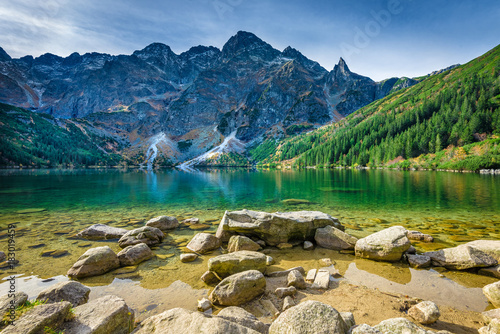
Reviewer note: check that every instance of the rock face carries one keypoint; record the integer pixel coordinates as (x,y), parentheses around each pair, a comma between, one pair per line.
(275,228)
(6,301)
(333,238)
(239,288)
(400,326)
(149,235)
(490,247)
(240,242)
(461,257)
(108,314)
(178,320)
(70,291)
(492,292)
(244,318)
(425,312)
(164,223)
(309,317)
(101,232)
(95,261)
(232,263)
(386,245)
(41,316)
(132,255)
(203,243)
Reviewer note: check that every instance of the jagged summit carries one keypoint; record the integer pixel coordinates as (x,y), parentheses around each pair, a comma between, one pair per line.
(341,68)
(155,50)
(4,56)
(244,42)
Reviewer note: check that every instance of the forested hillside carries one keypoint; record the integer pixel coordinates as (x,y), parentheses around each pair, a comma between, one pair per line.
(33,139)
(449,120)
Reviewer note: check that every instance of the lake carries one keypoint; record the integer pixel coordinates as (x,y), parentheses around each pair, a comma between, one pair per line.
(50,206)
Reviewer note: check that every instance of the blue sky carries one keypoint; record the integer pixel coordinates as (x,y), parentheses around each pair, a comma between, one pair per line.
(377,38)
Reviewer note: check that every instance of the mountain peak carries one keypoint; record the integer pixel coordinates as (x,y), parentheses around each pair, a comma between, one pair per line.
(246,41)
(154,49)
(341,68)
(3,55)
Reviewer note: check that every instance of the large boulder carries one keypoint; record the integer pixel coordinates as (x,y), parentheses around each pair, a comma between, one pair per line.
(309,317)
(149,235)
(36,320)
(425,312)
(95,261)
(163,223)
(108,314)
(386,245)
(275,228)
(101,232)
(232,263)
(132,255)
(178,320)
(239,288)
(492,292)
(244,318)
(70,291)
(461,257)
(240,242)
(488,316)
(203,243)
(11,301)
(490,247)
(332,238)
(400,326)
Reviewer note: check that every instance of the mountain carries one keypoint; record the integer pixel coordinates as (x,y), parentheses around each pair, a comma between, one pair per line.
(448,120)
(178,107)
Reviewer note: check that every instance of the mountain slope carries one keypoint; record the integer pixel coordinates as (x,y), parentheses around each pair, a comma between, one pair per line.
(455,108)
(193,100)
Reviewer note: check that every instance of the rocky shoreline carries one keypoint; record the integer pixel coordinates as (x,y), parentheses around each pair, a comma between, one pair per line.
(252,299)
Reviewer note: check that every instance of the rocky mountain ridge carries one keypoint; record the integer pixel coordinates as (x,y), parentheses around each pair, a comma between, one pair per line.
(189,102)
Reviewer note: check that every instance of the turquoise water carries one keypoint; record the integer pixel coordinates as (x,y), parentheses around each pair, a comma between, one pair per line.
(50,206)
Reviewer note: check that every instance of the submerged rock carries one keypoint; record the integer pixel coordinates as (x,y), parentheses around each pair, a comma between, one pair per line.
(240,316)
(74,292)
(308,245)
(38,318)
(425,312)
(239,288)
(210,278)
(108,314)
(132,255)
(419,236)
(491,271)
(419,261)
(190,257)
(386,245)
(240,242)
(95,261)
(232,263)
(275,228)
(203,243)
(101,232)
(461,257)
(178,320)
(333,238)
(149,235)
(309,317)
(492,292)
(163,223)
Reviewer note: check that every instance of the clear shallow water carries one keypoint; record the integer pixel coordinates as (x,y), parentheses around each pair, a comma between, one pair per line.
(51,205)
